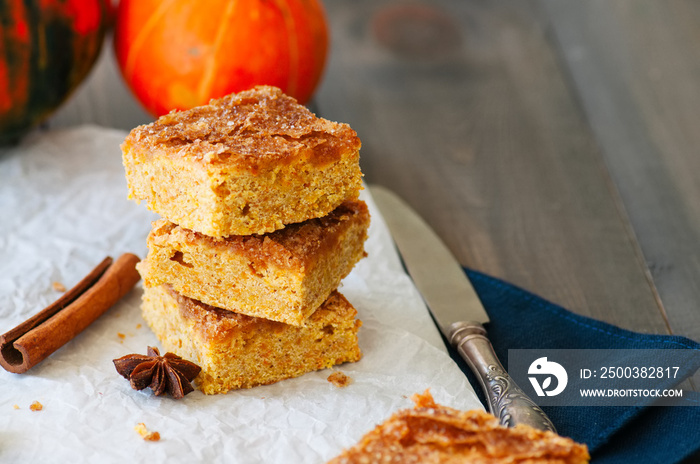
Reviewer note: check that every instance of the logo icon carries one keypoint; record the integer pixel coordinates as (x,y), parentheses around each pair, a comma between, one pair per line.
(541,368)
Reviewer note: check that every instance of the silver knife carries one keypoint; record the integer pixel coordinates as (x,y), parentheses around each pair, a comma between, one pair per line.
(457,309)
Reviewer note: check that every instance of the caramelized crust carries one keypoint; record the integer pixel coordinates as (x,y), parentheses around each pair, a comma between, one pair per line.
(237,351)
(431,433)
(250,130)
(283,276)
(246,163)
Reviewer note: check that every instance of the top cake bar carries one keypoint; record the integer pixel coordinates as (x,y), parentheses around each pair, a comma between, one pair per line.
(248,163)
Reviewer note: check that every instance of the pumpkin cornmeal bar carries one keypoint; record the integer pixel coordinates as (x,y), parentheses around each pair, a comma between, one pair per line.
(434,433)
(237,351)
(247,163)
(283,276)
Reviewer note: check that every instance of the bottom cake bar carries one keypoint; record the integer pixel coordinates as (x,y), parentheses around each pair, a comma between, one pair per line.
(238,351)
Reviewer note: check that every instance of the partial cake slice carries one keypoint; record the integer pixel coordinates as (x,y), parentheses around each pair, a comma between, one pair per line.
(431,433)
(248,163)
(237,351)
(283,276)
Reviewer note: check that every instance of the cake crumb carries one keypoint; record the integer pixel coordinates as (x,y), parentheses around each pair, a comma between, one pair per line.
(138,326)
(58,286)
(121,337)
(36,406)
(145,433)
(339,379)
(16,406)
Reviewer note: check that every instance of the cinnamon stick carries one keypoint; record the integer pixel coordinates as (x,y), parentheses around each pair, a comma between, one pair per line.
(36,338)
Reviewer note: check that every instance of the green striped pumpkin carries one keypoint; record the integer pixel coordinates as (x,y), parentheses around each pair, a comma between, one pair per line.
(47,48)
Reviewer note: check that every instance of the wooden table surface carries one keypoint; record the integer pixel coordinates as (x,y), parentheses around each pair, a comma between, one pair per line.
(552,143)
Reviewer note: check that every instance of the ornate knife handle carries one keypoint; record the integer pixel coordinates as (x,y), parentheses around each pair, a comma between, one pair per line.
(506,400)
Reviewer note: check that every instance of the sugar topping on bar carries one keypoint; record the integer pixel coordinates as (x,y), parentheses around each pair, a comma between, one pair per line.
(262,124)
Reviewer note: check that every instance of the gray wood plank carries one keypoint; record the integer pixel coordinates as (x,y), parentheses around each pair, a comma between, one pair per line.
(486,140)
(636,67)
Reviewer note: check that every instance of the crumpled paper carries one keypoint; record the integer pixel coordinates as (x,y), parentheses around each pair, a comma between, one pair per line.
(63,208)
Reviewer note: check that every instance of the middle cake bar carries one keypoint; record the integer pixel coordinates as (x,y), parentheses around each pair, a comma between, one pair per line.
(282,276)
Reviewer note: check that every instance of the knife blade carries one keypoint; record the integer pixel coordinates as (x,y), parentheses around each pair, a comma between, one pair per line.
(456,308)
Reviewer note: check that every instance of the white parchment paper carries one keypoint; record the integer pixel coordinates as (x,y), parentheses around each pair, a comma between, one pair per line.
(63,208)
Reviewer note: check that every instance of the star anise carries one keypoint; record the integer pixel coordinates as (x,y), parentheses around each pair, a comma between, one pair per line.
(168,373)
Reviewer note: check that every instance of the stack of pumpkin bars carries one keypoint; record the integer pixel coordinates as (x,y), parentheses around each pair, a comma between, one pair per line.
(260,223)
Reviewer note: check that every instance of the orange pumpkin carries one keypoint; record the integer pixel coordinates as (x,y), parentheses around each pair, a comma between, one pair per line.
(47,48)
(176,54)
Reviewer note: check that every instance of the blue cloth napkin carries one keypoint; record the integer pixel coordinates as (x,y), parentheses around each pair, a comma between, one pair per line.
(653,434)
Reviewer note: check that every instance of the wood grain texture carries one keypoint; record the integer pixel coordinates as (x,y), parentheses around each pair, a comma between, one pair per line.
(636,68)
(488,142)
